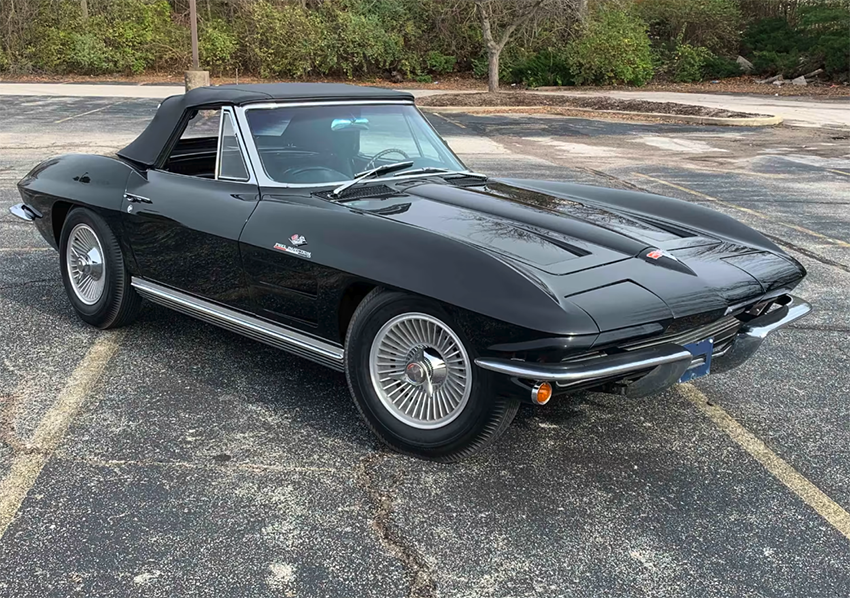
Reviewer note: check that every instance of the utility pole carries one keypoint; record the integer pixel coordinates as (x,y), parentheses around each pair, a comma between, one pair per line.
(195,77)
(193,20)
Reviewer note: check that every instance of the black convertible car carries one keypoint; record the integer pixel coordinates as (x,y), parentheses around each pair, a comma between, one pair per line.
(333,222)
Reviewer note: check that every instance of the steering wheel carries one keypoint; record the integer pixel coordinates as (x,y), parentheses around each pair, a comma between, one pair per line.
(383,153)
(325,175)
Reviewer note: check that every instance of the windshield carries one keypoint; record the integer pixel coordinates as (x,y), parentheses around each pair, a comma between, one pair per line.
(331,144)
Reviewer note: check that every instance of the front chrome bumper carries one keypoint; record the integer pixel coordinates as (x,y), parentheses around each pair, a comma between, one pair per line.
(753,333)
(24,212)
(663,364)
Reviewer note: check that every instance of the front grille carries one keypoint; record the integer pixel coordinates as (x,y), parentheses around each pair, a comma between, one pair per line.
(723,331)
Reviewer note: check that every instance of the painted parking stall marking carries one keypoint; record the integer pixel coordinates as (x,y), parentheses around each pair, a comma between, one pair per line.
(813,496)
(27,465)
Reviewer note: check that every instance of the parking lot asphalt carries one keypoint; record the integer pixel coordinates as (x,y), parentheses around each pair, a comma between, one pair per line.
(172,458)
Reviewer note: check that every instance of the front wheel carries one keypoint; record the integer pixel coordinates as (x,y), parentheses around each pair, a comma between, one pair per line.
(93,271)
(413,379)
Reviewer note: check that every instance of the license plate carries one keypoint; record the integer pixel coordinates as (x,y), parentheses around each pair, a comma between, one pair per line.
(703,350)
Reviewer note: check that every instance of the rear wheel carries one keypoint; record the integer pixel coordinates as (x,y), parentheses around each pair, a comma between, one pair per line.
(96,279)
(413,378)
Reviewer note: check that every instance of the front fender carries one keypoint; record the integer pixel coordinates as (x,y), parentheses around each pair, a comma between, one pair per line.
(414,259)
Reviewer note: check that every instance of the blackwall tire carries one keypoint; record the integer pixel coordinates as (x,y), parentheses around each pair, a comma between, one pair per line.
(94,272)
(419,389)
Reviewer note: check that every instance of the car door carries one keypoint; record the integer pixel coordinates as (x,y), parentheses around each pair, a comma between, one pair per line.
(183,220)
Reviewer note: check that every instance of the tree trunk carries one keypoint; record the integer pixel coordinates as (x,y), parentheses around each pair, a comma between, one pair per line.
(493,70)
(84,8)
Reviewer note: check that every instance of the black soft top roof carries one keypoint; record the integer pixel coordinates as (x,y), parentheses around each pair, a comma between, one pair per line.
(148,146)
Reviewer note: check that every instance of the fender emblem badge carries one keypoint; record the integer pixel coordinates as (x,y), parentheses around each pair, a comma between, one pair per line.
(293,250)
(297,240)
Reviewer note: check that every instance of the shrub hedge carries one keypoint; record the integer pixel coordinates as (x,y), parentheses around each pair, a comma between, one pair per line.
(617,42)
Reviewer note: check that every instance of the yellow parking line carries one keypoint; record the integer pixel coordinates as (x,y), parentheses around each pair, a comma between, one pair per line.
(813,496)
(27,465)
(451,120)
(61,120)
(839,172)
(837,242)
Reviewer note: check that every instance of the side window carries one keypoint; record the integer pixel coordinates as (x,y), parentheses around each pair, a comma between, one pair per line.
(231,164)
(203,124)
(194,154)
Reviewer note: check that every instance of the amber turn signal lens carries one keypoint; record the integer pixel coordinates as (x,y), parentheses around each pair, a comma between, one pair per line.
(542,393)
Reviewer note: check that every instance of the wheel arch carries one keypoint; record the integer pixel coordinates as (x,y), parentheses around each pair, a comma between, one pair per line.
(352,296)
(58,215)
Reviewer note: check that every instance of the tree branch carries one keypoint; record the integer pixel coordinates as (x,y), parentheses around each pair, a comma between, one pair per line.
(486,31)
(527,13)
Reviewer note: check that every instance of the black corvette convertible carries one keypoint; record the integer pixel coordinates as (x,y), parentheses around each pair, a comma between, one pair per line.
(333,222)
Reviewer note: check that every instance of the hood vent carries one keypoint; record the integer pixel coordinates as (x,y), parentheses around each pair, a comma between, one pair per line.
(358,193)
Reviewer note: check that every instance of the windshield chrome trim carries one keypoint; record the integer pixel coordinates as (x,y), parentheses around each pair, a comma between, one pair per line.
(298,104)
(256,163)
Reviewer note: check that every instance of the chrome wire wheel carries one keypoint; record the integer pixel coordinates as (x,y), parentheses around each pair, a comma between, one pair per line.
(86,264)
(420,370)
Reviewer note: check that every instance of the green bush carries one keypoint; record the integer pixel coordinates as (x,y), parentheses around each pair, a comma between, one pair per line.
(713,24)
(770,35)
(438,62)
(217,45)
(826,31)
(142,35)
(820,39)
(4,61)
(89,55)
(613,47)
(359,45)
(720,67)
(544,68)
(507,61)
(689,63)
(777,63)
(131,36)
(285,42)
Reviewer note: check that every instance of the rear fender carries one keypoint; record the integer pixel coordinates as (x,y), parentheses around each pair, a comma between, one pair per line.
(58,184)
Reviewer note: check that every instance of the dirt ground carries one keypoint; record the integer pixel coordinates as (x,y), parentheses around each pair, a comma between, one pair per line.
(592,103)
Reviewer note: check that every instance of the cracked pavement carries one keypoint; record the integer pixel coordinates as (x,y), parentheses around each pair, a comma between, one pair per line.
(199,463)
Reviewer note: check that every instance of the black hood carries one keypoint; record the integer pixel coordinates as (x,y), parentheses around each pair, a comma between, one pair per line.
(624,257)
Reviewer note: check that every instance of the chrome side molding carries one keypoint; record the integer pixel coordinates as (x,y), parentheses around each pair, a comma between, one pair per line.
(276,335)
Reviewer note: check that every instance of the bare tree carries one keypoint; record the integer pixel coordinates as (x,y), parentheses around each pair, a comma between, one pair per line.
(512,15)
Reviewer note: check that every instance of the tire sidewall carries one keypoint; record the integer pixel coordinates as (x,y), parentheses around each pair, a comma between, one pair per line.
(99,312)
(361,334)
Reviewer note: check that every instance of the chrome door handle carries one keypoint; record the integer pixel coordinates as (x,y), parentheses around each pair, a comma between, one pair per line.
(136,198)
